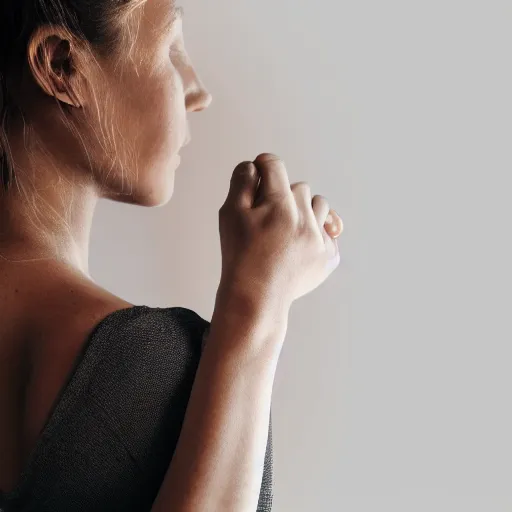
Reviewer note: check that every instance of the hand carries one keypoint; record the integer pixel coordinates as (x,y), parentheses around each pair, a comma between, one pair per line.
(276,239)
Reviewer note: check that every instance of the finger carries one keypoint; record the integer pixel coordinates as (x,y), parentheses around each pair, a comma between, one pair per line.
(321,210)
(302,193)
(334,224)
(274,177)
(244,182)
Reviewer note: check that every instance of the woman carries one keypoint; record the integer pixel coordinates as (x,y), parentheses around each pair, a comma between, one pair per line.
(108,405)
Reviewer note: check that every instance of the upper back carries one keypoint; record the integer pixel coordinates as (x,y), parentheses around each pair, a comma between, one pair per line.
(47,311)
(113,430)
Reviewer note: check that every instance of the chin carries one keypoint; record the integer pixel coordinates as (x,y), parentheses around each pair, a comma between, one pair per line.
(152,193)
(158,194)
(154,188)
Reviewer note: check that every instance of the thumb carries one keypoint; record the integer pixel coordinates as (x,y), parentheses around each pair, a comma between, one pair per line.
(244,183)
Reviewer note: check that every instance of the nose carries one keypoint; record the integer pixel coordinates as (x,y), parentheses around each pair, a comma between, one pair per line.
(198,99)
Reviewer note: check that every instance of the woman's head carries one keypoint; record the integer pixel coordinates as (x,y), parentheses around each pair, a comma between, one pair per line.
(97,90)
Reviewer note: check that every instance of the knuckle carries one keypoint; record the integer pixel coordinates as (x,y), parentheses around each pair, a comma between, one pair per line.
(283,213)
(242,168)
(223,210)
(301,186)
(290,215)
(320,204)
(264,158)
(318,199)
(276,196)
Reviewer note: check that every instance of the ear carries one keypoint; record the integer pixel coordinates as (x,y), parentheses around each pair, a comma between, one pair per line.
(53,61)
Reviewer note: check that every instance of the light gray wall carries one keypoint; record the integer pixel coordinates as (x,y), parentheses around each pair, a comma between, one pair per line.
(393,392)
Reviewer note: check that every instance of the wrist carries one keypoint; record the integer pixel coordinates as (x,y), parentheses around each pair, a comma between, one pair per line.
(248,325)
(248,300)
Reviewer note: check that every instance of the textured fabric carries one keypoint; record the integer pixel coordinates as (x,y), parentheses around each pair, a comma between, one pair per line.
(112,433)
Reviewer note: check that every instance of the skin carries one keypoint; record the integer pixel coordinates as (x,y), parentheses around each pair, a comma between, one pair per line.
(48,301)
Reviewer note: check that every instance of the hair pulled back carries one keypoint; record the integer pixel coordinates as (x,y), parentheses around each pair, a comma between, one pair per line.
(96,23)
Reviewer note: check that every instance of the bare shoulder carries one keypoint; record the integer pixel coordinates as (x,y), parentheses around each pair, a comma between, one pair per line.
(48,312)
(49,302)
(63,310)
(63,313)
(72,303)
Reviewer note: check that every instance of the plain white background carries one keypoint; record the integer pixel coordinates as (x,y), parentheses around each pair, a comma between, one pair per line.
(393,391)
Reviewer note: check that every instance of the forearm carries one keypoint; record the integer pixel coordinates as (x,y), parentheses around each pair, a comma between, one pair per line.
(218,462)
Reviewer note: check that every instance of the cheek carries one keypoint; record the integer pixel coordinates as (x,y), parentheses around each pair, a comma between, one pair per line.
(164,117)
(142,121)
(153,120)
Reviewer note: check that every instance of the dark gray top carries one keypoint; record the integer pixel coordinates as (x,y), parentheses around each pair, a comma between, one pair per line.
(112,432)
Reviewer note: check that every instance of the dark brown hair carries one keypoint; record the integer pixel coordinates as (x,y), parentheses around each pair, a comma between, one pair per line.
(94,22)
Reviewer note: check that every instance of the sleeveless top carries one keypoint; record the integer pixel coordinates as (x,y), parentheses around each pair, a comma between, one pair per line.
(113,429)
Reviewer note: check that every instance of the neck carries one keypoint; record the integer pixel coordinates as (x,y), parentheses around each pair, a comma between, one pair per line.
(47,212)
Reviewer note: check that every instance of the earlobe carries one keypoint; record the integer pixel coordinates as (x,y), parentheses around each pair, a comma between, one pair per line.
(52,62)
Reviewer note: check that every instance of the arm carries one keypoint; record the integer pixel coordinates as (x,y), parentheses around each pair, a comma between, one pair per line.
(219,458)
